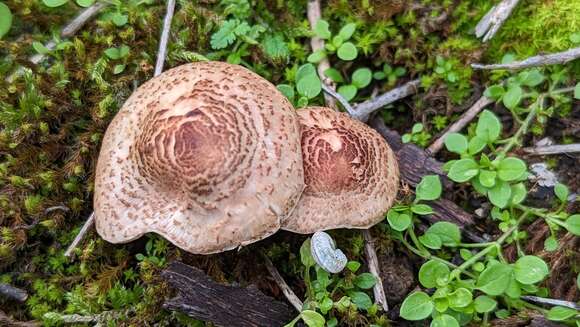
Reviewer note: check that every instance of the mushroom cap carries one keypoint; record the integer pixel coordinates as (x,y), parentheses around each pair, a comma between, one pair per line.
(351,174)
(206,154)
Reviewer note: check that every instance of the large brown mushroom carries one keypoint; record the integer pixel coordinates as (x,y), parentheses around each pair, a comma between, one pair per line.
(206,154)
(351,174)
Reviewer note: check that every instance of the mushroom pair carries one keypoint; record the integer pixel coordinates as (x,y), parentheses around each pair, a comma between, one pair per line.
(212,156)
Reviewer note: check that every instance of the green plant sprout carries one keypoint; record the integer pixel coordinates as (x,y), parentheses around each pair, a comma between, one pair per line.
(307,85)
(339,43)
(360,79)
(474,289)
(331,296)
(418,135)
(390,74)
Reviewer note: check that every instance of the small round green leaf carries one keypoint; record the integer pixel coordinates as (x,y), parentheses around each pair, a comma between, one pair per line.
(561,192)
(85,3)
(519,193)
(5,19)
(494,279)
(312,318)
(488,126)
(444,321)
(305,70)
(530,269)
(416,306)
(321,29)
(287,90)
(422,209)
(362,77)
(551,244)
(561,313)
(361,300)
(334,75)
(431,241)
(54,3)
(316,56)
(494,92)
(573,224)
(449,233)
(500,194)
(476,144)
(487,177)
(512,97)
(460,298)
(456,143)
(347,51)
(511,169)
(463,170)
(365,281)
(431,271)
(429,188)
(309,86)
(398,222)
(348,92)
(347,30)
(484,303)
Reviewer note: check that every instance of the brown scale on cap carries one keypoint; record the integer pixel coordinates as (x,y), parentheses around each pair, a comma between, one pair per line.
(206,154)
(350,172)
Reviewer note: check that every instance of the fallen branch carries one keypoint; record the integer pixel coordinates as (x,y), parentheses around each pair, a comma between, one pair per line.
(162,52)
(373,263)
(13,293)
(201,298)
(286,290)
(494,19)
(541,60)
(553,149)
(554,302)
(80,236)
(365,109)
(6,321)
(465,119)
(313,13)
(329,91)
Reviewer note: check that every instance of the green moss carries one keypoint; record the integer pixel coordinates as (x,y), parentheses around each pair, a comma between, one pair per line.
(537,26)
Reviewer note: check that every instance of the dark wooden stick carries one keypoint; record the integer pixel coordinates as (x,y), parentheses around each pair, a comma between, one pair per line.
(202,298)
(6,321)
(13,293)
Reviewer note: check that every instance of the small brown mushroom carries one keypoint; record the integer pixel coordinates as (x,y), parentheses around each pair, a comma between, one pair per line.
(206,154)
(351,174)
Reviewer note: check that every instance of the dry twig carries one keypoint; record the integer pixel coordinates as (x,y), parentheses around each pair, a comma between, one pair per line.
(541,60)
(553,149)
(494,19)
(364,109)
(288,293)
(465,119)
(373,262)
(6,321)
(554,302)
(164,37)
(316,43)
(80,236)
